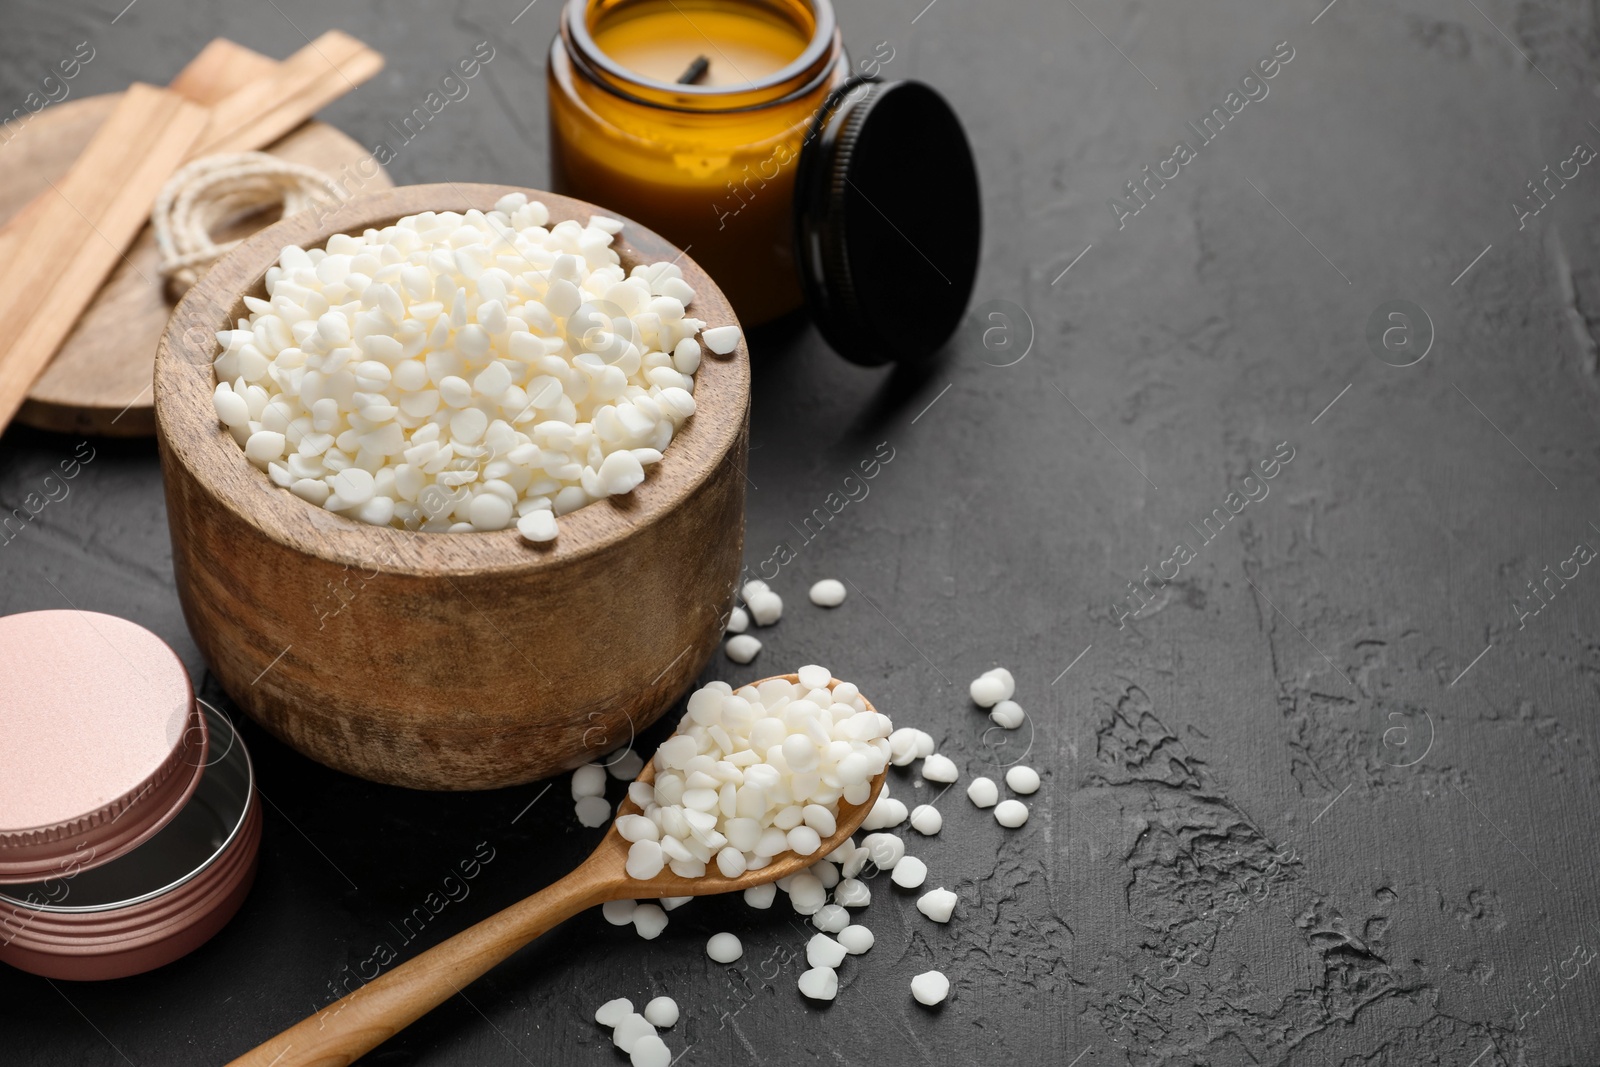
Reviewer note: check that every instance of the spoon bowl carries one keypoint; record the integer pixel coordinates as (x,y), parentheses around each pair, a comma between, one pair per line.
(358,1023)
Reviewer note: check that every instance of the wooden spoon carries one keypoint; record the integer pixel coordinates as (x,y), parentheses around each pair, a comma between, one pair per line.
(356,1024)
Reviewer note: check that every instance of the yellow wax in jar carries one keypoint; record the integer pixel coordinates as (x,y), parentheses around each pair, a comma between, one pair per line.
(710,166)
(740,45)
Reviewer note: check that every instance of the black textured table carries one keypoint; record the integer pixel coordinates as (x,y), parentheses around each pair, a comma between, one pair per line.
(1320,768)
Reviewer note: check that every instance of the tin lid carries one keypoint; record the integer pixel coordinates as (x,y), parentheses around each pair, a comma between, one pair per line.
(101,742)
(887,220)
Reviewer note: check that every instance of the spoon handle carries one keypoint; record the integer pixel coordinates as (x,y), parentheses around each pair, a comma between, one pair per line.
(349,1028)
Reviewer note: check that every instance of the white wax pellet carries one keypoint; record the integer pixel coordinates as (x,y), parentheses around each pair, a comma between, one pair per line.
(619,913)
(538,526)
(937,768)
(1011,813)
(613,1012)
(924,743)
(855,939)
(930,988)
(630,1030)
(649,920)
(806,894)
(903,747)
(662,1011)
(650,1051)
(852,893)
(884,849)
(804,841)
(738,621)
(831,918)
(593,811)
(987,691)
(828,593)
(625,767)
(1008,685)
(672,903)
(637,828)
(925,819)
(765,607)
(742,648)
(588,781)
(1007,713)
(644,860)
(814,677)
(820,983)
(1022,779)
(761,896)
(721,339)
(886,812)
(909,873)
(937,904)
(983,792)
(824,951)
(724,948)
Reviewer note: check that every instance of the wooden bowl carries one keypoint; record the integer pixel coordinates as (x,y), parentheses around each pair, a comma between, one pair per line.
(447,661)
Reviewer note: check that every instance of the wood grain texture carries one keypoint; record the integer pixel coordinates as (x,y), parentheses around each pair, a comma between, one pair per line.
(76,239)
(358,1023)
(447,661)
(99,380)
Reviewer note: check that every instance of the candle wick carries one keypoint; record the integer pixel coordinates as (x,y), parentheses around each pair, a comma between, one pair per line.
(696,71)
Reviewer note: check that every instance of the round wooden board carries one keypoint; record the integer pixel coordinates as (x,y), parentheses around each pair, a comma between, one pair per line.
(99,383)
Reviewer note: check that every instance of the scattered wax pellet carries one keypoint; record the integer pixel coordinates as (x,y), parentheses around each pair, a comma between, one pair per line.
(1011,813)
(761,896)
(672,903)
(593,811)
(738,621)
(856,939)
(650,1051)
(986,691)
(742,648)
(831,918)
(1024,780)
(1008,713)
(885,850)
(930,988)
(649,920)
(613,1012)
(588,781)
(925,819)
(820,983)
(724,948)
(983,792)
(619,913)
(886,812)
(852,893)
(662,1011)
(765,607)
(937,904)
(828,593)
(630,1030)
(909,873)
(937,768)
(625,767)
(721,339)
(824,951)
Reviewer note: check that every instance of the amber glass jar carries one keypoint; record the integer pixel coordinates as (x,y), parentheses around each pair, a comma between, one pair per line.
(708,162)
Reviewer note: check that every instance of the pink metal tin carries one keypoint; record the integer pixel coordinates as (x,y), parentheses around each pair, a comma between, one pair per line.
(129,823)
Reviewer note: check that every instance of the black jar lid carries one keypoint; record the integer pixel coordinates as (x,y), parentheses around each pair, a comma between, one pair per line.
(887,221)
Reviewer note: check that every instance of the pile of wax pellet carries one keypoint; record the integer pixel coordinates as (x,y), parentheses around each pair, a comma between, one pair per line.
(754,773)
(635,1032)
(838,882)
(457,372)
